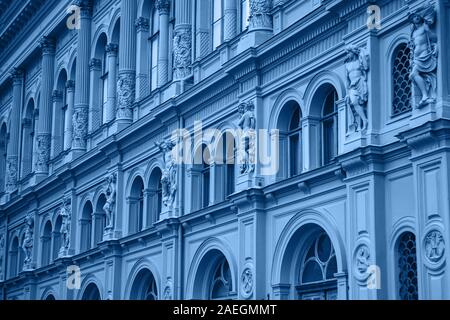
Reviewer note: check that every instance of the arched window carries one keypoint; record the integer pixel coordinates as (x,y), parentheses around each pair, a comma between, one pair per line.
(154,43)
(100,219)
(318,266)
(221,284)
(154,197)
(91,293)
(3,151)
(245,14)
(225,167)
(59,113)
(46,241)
(57,240)
(86,227)
(144,286)
(217,23)
(330,127)
(407,267)
(13,258)
(401,81)
(28,134)
(206,176)
(136,206)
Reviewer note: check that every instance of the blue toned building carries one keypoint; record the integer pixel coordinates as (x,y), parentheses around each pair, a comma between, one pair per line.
(224,149)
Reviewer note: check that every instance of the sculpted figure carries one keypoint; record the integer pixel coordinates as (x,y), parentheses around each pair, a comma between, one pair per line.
(357,66)
(424,53)
(65,226)
(247,123)
(27,245)
(110,200)
(169,173)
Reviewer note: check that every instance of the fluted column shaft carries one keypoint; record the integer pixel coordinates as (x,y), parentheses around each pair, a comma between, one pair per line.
(70,85)
(182,41)
(126,85)
(111,53)
(230,20)
(163,7)
(142,58)
(81,107)
(43,137)
(12,159)
(56,141)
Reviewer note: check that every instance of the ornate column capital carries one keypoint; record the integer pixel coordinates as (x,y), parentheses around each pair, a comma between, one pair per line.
(17,76)
(111,49)
(95,64)
(163,6)
(85,7)
(42,152)
(260,14)
(48,45)
(70,85)
(142,24)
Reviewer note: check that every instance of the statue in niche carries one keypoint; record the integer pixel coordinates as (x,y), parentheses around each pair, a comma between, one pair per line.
(65,213)
(357,67)
(424,53)
(247,122)
(27,245)
(110,201)
(169,173)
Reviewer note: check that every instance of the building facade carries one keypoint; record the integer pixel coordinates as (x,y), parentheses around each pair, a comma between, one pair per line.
(224,149)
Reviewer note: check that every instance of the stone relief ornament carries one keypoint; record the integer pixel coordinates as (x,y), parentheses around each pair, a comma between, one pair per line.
(362,263)
(168,290)
(247,122)
(65,213)
(162,6)
(11,174)
(434,246)
(182,44)
(423,44)
(125,93)
(42,152)
(109,206)
(260,16)
(169,173)
(79,123)
(27,245)
(357,67)
(247,283)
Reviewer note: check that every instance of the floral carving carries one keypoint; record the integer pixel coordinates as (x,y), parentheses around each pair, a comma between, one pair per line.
(182,44)
(79,122)
(42,152)
(125,93)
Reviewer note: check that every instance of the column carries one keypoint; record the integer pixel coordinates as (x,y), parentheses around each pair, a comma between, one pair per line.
(311,149)
(142,57)
(127,63)
(70,85)
(163,7)
(43,136)
(57,99)
(13,145)
(95,68)
(81,107)
(182,41)
(230,20)
(111,53)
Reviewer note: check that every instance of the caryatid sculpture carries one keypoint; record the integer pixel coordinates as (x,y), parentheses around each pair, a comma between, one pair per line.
(357,67)
(65,213)
(27,245)
(247,122)
(169,173)
(110,201)
(424,53)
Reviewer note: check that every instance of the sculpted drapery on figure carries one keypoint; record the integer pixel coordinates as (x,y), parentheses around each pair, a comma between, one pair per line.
(247,122)
(27,245)
(169,173)
(424,53)
(65,213)
(110,201)
(357,67)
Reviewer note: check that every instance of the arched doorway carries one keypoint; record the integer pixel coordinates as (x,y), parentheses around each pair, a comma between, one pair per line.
(213,280)
(144,286)
(309,265)
(91,292)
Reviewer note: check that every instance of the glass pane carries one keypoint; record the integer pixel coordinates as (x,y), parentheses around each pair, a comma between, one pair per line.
(217,12)
(324,248)
(217,33)
(331,268)
(407,267)
(155,22)
(245,13)
(312,272)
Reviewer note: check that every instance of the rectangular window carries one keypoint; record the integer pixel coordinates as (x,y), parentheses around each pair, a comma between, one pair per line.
(217,23)
(154,63)
(245,14)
